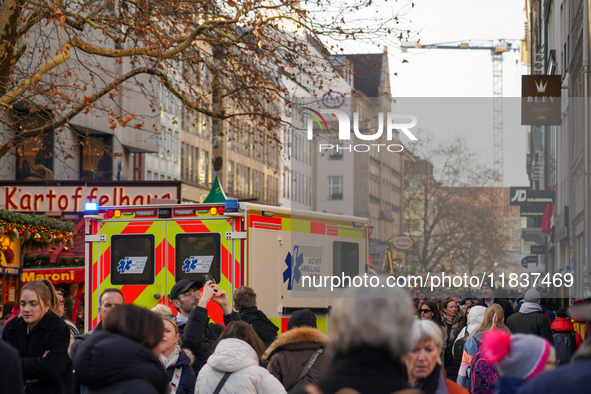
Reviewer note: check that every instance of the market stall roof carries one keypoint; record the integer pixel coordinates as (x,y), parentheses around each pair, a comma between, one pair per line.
(33,230)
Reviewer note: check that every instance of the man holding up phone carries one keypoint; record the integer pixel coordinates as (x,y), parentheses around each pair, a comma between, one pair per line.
(195,330)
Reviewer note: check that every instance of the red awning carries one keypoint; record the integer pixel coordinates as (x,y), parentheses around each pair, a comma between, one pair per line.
(55,275)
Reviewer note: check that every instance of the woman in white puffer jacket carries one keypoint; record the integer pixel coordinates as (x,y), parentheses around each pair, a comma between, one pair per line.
(238,351)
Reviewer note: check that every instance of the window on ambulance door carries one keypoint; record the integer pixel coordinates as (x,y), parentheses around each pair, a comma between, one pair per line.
(198,255)
(132,259)
(345,257)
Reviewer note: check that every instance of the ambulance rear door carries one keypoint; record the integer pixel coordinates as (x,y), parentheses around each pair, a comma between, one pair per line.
(132,258)
(198,247)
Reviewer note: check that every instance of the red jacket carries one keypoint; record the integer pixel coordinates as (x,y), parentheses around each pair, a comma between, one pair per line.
(565,325)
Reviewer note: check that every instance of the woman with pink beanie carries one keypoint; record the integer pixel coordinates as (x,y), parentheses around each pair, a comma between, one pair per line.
(518,358)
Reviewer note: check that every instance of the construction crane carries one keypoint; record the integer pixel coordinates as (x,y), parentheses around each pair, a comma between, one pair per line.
(497,49)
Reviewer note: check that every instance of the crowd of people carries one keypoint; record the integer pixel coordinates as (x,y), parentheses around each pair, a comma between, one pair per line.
(399,344)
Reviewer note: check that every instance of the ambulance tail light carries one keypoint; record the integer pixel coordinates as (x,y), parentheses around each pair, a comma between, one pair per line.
(110,213)
(221,210)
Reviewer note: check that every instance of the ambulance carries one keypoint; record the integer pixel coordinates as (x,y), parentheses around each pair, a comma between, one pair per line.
(144,250)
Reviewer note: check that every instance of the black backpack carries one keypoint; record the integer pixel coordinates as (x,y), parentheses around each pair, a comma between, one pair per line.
(459,349)
(565,343)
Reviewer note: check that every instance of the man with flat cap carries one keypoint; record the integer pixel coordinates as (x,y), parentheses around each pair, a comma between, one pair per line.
(488,297)
(195,330)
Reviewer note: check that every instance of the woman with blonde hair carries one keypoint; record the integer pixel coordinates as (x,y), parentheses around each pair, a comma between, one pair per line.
(42,339)
(176,361)
(494,318)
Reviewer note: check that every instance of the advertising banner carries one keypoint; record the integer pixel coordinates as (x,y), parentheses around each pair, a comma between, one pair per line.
(540,99)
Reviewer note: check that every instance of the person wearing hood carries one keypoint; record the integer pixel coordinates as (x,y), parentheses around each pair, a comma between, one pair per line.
(493,319)
(518,358)
(475,318)
(423,363)
(234,367)
(453,322)
(123,358)
(42,340)
(175,360)
(301,345)
(529,319)
(245,302)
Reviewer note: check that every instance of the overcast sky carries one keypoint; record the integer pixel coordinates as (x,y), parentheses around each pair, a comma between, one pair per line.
(465,73)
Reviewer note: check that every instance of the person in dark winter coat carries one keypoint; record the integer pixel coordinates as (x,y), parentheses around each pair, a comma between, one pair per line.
(108,299)
(245,302)
(572,378)
(196,332)
(529,319)
(11,376)
(123,358)
(42,339)
(369,339)
(6,312)
(563,324)
(176,361)
(488,297)
(453,322)
(292,350)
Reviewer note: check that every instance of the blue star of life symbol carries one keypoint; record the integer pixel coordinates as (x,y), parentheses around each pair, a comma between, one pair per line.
(124,265)
(190,264)
(291,272)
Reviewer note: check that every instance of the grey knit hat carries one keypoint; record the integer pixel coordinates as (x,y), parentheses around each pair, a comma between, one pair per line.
(520,356)
(532,295)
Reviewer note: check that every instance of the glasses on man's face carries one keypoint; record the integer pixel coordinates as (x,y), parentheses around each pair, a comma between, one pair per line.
(191,293)
(426,310)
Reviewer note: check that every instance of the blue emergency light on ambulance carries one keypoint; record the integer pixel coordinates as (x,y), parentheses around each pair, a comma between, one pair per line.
(91,208)
(231,205)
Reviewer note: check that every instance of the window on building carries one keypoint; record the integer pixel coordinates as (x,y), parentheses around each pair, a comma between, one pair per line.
(204,168)
(184,166)
(335,187)
(231,177)
(335,154)
(35,159)
(96,163)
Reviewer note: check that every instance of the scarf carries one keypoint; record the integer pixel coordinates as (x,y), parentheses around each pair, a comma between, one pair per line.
(434,383)
(172,358)
(452,326)
(529,307)
(181,319)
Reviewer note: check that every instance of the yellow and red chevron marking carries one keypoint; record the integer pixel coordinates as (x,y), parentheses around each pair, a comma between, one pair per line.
(164,275)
